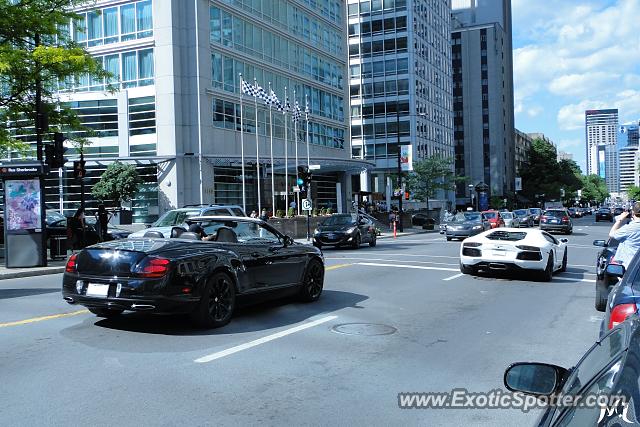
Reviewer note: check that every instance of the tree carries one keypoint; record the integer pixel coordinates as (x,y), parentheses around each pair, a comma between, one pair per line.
(37,57)
(541,174)
(633,192)
(118,183)
(429,175)
(594,189)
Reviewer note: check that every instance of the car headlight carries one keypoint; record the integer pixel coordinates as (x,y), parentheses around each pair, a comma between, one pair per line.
(351,230)
(316,231)
(477,227)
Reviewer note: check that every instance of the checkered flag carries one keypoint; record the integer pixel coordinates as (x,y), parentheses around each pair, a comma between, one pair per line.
(296,112)
(260,93)
(249,89)
(306,110)
(287,105)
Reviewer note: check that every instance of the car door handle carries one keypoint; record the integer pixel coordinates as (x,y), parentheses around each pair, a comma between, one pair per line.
(256,254)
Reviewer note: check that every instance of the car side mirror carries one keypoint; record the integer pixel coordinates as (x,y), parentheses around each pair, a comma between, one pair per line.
(599,243)
(287,241)
(564,240)
(539,379)
(147,226)
(615,270)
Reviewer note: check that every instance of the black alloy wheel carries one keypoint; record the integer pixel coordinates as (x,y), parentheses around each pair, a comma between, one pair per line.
(107,313)
(217,303)
(547,273)
(373,241)
(312,282)
(357,241)
(564,262)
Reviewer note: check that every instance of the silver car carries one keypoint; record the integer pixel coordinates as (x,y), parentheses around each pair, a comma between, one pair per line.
(510,220)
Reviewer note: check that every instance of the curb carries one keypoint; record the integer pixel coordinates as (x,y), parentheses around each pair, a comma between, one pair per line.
(410,233)
(31,273)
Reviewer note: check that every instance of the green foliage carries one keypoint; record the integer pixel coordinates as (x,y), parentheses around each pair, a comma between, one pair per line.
(280,213)
(594,189)
(429,175)
(36,51)
(633,192)
(323,211)
(314,212)
(118,183)
(496,202)
(329,211)
(291,212)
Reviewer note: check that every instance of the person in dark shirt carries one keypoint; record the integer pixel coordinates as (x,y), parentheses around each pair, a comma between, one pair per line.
(102,222)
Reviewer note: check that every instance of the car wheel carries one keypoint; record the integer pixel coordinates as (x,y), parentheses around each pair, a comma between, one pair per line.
(373,241)
(107,313)
(217,303)
(564,262)
(547,273)
(602,293)
(570,232)
(357,241)
(312,282)
(467,270)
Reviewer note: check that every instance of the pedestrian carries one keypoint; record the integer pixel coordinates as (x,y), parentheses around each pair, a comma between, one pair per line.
(76,236)
(263,215)
(293,205)
(392,219)
(102,222)
(254,214)
(628,235)
(197,228)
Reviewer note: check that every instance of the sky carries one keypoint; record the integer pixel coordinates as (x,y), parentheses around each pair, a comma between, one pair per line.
(570,56)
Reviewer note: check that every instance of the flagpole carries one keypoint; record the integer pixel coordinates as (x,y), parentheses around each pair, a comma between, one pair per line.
(244,193)
(306,114)
(295,143)
(286,158)
(273,182)
(255,100)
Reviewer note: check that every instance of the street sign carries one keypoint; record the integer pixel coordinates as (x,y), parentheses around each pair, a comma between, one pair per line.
(296,189)
(314,167)
(306,204)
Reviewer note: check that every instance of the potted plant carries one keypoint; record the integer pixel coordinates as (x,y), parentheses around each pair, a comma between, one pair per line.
(329,211)
(323,211)
(291,212)
(280,213)
(118,183)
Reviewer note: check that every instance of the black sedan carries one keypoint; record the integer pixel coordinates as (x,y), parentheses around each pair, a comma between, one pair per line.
(604,282)
(466,224)
(604,214)
(525,219)
(556,220)
(607,373)
(345,230)
(535,215)
(241,259)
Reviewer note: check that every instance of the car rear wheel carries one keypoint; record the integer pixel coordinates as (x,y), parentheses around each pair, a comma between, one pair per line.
(602,293)
(547,273)
(467,270)
(373,241)
(564,262)
(107,313)
(217,303)
(312,282)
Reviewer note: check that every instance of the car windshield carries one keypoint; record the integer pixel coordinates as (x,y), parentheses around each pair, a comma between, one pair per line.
(535,211)
(175,217)
(466,216)
(490,215)
(520,212)
(555,214)
(246,231)
(53,216)
(512,236)
(507,215)
(338,220)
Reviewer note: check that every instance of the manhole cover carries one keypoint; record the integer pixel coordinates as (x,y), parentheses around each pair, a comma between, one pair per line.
(365,329)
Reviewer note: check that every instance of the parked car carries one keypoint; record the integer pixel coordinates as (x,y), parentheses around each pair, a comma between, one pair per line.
(608,370)
(604,214)
(535,215)
(604,282)
(420,219)
(510,219)
(494,218)
(512,249)
(206,279)
(465,224)
(624,297)
(345,230)
(526,219)
(178,217)
(556,220)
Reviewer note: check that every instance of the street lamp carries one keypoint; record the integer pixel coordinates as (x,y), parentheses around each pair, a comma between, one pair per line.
(471,194)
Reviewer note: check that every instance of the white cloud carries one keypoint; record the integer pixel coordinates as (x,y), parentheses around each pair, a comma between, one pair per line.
(571,116)
(534,111)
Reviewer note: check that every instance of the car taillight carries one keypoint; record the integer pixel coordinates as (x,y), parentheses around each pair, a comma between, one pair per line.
(620,313)
(543,218)
(565,219)
(153,267)
(472,244)
(528,248)
(71,264)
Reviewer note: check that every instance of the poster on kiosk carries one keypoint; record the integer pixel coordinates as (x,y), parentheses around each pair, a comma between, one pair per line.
(24,229)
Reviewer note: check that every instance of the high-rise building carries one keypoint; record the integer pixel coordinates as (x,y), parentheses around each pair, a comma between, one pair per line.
(176,114)
(483,95)
(522,144)
(563,155)
(601,128)
(399,82)
(628,145)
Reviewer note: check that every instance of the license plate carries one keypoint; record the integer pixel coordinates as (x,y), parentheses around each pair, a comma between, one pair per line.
(331,236)
(555,221)
(499,252)
(97,290)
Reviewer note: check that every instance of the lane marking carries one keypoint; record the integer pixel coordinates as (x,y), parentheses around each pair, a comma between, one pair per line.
(440,256)
(263,340)
(455,276)
(418,267)
(333,267)
(42,318)
(396,260)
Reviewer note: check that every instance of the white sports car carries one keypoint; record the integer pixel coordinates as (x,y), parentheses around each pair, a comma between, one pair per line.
(514,249)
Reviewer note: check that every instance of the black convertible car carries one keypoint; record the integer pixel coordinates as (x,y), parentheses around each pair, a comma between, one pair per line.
(241,258)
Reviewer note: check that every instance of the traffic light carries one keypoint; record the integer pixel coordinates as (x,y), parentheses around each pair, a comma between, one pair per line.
(304,176)
(54,154)
(78,169)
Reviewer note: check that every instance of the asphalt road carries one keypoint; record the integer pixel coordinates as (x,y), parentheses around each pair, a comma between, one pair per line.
(284,363)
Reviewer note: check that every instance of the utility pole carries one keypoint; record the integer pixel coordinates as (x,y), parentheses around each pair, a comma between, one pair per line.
(401,195)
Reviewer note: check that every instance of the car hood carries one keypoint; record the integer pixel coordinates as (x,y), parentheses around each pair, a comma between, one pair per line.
(466,224)
(329,228)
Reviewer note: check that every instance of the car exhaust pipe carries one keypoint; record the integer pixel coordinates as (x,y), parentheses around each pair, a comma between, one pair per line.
(70,300)
(495,266)
(142,307)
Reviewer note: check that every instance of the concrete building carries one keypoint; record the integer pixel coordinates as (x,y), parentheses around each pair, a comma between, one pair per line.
(176,114)
(400,84)
(601,131)
(628,145)
(483,95)
(563,155)
(522,145)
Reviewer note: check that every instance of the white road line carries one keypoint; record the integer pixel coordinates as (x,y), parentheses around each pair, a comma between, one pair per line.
(455,276)
(394,260)
(418,267)
(263,340)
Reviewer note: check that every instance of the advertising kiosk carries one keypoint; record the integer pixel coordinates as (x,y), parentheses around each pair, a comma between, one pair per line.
(24,214)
